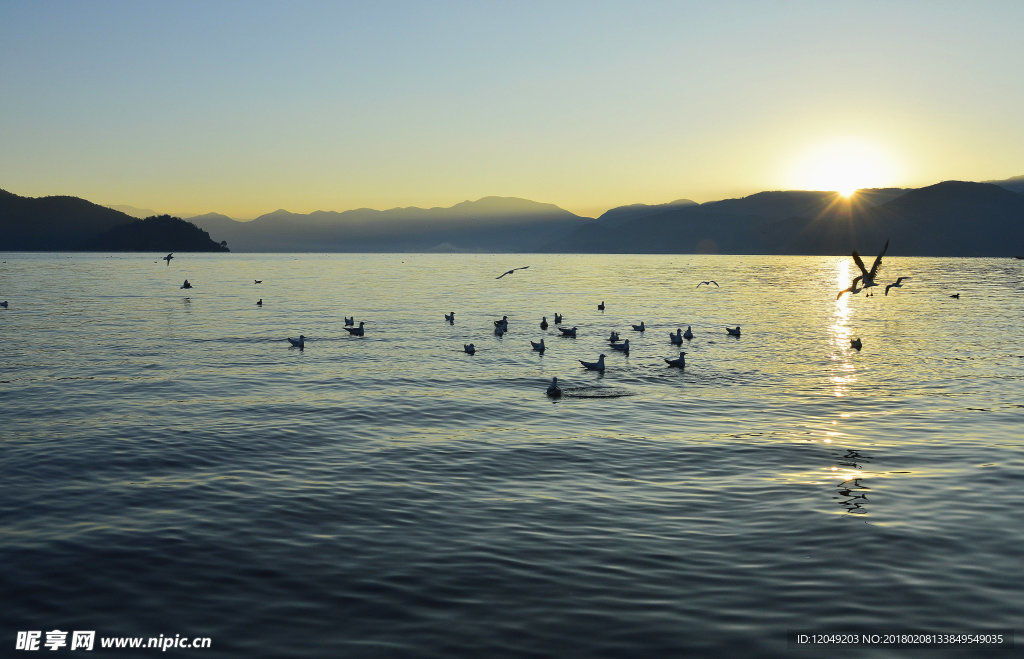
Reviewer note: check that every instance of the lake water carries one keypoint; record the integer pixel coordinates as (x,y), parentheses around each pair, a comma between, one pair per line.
(172,466)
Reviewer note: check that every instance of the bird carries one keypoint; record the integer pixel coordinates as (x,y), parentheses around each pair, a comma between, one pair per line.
(186,285)
(355,331)
(503,323)
(733,331)
(450,317)
(568,332)
(511,271)
(855,343)
(688,334)
(866,277)
(558,318)
(257,281)
(3,304)
(499,330)
(600,307)
(259,303)
(623,347)
(469,348)
(955,296)
(299,342)
(594,366)
(896,284)
(677,338)
(614,337)
(539,347)
(350,321)
(168,258)
(544,322)
(708,283)
(681,362)
(640,328)
(553,389)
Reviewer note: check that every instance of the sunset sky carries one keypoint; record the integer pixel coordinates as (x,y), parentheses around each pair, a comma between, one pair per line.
(243,107)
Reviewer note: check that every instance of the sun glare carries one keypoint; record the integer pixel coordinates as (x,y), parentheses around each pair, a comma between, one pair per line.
(845,166)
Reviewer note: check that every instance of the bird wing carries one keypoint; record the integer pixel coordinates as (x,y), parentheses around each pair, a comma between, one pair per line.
(878,260)
(701,284)
(503,274)
(715,283)
(860,264)
(888,287)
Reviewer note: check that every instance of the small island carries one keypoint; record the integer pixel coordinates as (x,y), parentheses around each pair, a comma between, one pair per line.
(160,233)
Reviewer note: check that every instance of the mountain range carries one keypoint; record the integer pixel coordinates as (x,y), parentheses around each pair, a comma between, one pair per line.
(953,218)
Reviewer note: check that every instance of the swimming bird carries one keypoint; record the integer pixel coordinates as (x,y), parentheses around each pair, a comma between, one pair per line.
(553,389)
(955,296)
(503,323)
(356,331)
(681,362)
(558,318)
(257,281)
(688,334)
(168,258)
(350,321)
(568,332)
(855,343)
(186,285)
(896,284)
(733,331)
(677,337)
(539,347)
(594,366)
(623,347)
(450,317)
(614,337)
(544,322)
(708,283)
(600,307)
(3,304)
(259,303)
(511,271)
(640,328)
(469,348)
(299,342)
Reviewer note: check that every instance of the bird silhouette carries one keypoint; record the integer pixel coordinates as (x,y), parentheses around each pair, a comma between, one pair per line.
(508,272)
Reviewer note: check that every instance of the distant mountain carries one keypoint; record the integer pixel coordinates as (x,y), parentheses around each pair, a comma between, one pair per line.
(140,213)
(502,224)
(947,219)
(1015,184)
(73,224)
(158,233)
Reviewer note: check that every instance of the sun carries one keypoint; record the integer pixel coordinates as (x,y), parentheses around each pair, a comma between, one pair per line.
(843,165)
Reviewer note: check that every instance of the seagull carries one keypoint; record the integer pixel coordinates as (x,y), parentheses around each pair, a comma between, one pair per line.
(350,321)
(259,303)
(3,304)
(732,331)
(896,284)
(257,281)
(855,343)
(568,332)
(186,285)
(614,337)
(299,343)
(511,271)
(852,290)
(623,347)
(539,347)
(558,318)
(355,331)
(553,390)
(544,322)
(594,366)
(866,277)
(600,307)
(708,283)
(168,258)
(639,328)
(503,323)
(955,296)
(450,317)
(469,348)
(688,334)
(677,338)
(681,362)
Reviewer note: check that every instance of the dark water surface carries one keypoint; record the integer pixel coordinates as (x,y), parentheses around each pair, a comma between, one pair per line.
(172,466)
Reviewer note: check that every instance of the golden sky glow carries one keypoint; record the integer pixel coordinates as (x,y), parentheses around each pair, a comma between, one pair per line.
(246,107)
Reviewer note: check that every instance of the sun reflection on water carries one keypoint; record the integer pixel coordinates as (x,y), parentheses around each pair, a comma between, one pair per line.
(843,374)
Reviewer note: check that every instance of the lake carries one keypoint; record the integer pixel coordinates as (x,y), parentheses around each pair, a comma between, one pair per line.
(172,466)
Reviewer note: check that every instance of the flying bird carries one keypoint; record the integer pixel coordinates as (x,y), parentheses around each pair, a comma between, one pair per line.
(896,284)
(511,271)
(168,258)
(594,366)
(708,283)
(866,278)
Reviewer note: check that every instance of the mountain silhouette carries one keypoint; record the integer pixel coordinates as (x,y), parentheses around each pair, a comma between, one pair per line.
(158,233)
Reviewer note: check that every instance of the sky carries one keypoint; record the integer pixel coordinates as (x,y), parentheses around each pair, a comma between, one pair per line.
(244,107)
